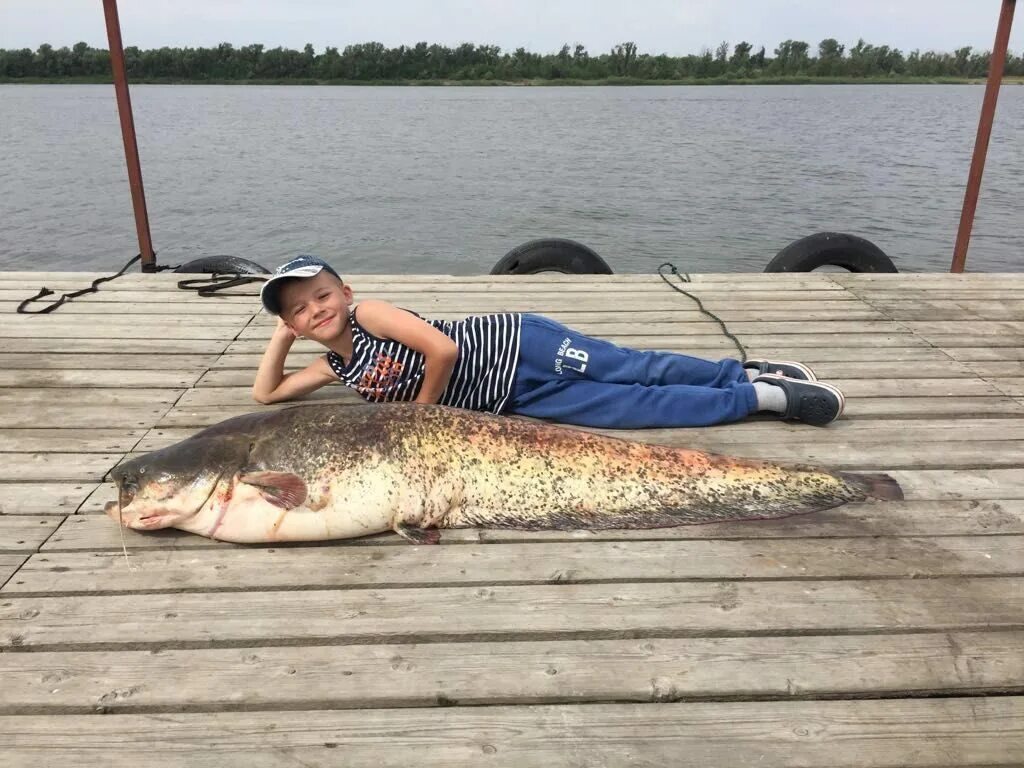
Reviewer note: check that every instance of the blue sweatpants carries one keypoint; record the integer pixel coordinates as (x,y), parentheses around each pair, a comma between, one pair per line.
(572,378)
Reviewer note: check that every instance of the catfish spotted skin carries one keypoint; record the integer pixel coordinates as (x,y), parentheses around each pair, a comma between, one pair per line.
(322,472)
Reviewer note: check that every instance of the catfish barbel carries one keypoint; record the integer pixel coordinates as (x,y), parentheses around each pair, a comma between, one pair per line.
(313,473)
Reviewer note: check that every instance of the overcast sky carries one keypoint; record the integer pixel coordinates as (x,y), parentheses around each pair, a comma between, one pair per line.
(657,26)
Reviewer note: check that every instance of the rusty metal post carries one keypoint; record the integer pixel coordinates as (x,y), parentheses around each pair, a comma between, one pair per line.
(997,64)
(131,148)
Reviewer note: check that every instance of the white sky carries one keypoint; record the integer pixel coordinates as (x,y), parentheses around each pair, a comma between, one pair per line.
(657,26)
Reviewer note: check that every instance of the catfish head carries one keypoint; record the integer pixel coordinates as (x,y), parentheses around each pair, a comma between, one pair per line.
(167,487)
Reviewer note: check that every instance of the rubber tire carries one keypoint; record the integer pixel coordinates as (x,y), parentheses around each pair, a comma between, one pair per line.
(551,254)
(833,249)
(223,265)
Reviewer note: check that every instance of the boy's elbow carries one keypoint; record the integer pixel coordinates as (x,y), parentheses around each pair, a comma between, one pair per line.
(450,352)
(263,398)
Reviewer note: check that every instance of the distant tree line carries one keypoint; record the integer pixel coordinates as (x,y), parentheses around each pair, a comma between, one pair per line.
(369,62)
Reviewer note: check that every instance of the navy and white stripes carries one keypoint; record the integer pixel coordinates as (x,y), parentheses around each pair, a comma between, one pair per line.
(383,370)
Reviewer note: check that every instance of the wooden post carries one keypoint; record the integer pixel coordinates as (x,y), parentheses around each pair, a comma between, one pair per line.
(131,148)
(997,64)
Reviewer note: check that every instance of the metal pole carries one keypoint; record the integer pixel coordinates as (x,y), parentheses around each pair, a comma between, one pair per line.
(997,65)
(131,148)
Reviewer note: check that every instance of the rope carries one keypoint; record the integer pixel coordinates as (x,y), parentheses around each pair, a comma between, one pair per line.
(685,278)
(219,281)
(44,291)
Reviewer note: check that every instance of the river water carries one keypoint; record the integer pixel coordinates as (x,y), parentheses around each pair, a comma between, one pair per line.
(447,180)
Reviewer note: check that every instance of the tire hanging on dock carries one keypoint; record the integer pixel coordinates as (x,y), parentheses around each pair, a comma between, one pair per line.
(836,249)
(551,254)
(222,265)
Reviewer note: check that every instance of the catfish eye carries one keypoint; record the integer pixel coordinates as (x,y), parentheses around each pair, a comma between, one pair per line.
(142,470)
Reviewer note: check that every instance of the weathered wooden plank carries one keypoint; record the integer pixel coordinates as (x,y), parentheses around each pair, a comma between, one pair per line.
(187,414)
(829,360)
(663,298)
(961,484)
(985,354)
(541,563)
(644,340)
(13,396)
(53,498)
(640,312)
(920,385)
(94,531)
(607,328)
(766,281)
(141,303)
(56,467)
(929,279)
(572,611)
(1011,387)
(125,345)
(921,310)
(474,674)
(98,415)
(153,359)
(1012,289)
(145,335)
(242,396)
(968,338)
(69,440)
(206,416)
(233,299)
(643,307)
(931,407)
(26,533)
(44,378)
(915,387)
(247,301)
(875,370)
(9,564)
(923,733)
(223,392)
(987,327)
(111,319)
(998,370)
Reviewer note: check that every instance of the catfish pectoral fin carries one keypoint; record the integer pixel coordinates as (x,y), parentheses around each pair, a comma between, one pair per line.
(282,489)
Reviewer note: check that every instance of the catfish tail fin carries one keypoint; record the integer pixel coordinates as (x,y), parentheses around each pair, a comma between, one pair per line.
(876,486)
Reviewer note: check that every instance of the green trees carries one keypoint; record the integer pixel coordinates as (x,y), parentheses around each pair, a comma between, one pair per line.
(373,62)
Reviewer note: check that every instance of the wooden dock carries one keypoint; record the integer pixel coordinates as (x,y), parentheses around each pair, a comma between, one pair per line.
(869,635)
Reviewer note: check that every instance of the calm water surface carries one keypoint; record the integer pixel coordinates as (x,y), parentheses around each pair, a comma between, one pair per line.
(446,180)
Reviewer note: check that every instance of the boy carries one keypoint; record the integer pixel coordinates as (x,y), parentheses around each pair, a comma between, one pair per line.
(513,363)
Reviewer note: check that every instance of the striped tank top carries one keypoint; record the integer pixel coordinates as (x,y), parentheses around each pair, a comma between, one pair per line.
(384,370)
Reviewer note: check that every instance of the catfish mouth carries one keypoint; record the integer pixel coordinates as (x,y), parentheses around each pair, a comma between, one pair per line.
(153,513)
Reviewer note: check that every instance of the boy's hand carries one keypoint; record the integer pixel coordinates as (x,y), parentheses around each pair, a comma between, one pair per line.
(284,330)
(273,385)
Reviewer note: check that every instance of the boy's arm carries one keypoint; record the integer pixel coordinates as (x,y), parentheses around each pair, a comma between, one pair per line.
(273,385)
(439,352)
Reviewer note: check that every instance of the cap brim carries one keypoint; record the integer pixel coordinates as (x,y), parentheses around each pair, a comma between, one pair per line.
(270,289)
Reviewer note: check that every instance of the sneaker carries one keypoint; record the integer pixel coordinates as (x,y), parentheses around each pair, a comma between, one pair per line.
(788,369)
(812,402)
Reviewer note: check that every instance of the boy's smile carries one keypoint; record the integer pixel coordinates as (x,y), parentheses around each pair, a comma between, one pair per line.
(317,307)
